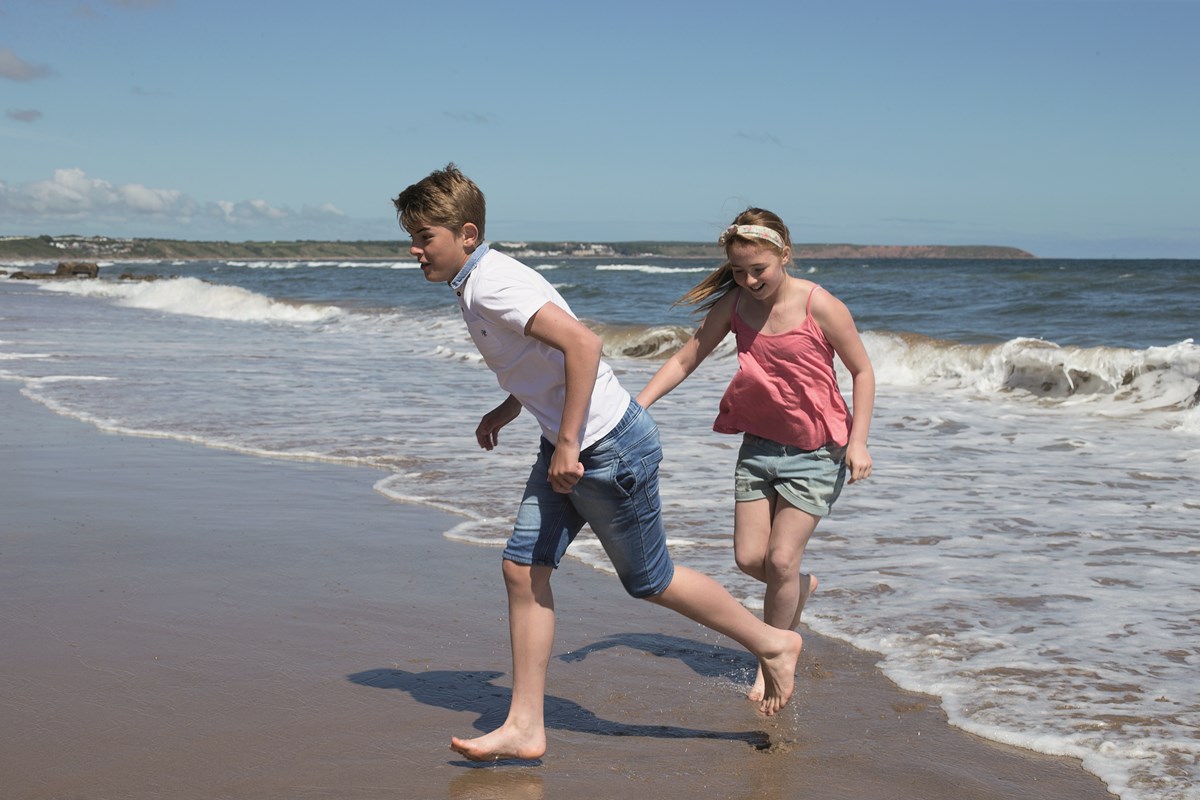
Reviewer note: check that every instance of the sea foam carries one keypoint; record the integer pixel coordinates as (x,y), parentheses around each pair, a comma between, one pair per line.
(197,298)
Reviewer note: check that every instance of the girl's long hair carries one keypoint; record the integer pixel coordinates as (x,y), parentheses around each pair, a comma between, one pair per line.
(705,294)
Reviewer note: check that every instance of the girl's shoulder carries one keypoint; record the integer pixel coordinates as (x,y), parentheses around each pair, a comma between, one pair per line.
(824,307)
(818,295)
(724,305)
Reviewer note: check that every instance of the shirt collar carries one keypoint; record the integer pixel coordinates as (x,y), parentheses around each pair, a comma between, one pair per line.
(471,264)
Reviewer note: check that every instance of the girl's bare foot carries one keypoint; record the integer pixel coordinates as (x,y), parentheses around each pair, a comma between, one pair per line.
(506,742)
(760,687)
(808,585)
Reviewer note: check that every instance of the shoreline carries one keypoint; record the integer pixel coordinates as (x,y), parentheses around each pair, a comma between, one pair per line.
(194,623)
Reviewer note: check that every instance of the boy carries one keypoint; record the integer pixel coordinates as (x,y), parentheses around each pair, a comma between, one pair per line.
(597,464)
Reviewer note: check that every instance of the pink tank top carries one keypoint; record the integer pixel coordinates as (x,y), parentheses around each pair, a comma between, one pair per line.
(785,388)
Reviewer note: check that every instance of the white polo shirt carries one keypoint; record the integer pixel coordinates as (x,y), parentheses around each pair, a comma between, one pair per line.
(497,301)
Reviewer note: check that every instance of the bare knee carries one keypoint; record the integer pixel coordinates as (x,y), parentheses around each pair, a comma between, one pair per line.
(516,574)
(755,567)
(524,580)
(781,567)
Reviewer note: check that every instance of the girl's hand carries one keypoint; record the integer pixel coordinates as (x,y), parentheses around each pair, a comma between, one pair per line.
(858,462)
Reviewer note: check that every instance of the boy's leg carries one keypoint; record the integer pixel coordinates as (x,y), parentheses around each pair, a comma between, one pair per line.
(531,628)
(546,523)
(702,599)
(618,496)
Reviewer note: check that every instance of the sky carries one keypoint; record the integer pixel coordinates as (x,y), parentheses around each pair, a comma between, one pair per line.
(1068,128)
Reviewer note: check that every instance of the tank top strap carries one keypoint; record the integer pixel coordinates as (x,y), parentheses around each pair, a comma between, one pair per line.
(808,304)
(736,317)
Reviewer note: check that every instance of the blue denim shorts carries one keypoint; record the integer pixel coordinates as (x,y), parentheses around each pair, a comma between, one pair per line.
(811,480)
(617,496)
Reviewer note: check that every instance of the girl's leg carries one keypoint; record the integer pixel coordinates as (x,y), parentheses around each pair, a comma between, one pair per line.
(531,628)
(787,589)
(702,599)
(769,540)
(752,535)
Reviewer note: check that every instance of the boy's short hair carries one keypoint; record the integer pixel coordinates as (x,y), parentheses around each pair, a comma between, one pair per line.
(444,197)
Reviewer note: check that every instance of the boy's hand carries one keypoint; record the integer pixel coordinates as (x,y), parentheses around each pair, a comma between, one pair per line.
(565,469)
(487,433)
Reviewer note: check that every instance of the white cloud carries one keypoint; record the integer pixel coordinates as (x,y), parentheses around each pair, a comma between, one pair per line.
(149,201)
(73,196)
(760,137)
(248,211)
(323,211)
(473,117)
(15,68)
(23,114)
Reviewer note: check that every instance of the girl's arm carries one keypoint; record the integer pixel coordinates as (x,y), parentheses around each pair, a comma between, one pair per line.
(580,347)
(712,330)
(838,325)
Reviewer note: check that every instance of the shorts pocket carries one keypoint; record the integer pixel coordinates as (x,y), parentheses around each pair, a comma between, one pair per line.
(640,474)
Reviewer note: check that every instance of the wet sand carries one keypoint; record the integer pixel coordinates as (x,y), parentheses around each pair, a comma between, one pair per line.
(181,622)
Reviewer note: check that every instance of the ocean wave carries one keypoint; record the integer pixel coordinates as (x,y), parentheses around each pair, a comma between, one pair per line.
(286,265)
(651,269)
(1111,380)
(198,298)
(640,341)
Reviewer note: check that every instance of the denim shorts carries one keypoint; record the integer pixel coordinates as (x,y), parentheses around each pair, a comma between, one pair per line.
(617,496)
(811,480)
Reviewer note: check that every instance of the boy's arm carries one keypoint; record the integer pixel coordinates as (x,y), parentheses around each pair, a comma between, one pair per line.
(580,347)
(708,335)
(488,431)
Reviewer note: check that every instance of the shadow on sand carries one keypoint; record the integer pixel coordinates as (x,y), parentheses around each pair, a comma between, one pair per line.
(706,660)
(474,691)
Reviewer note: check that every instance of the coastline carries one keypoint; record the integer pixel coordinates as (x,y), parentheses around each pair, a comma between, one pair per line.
(107,248)
(187,622)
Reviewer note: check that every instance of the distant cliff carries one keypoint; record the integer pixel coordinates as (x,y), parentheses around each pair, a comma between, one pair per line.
(56,248)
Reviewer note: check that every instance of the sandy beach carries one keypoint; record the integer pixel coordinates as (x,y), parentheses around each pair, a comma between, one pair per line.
(182,622)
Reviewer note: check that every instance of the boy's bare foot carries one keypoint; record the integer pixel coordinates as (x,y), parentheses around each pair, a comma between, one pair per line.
(779,674)
(503,743)
(808,585)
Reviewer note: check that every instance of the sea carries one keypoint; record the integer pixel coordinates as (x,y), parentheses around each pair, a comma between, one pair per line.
(1027,549)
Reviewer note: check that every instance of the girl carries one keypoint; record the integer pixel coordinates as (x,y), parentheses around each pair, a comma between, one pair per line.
(799,439)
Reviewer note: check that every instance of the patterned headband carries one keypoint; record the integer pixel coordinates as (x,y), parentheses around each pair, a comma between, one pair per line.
(751,232)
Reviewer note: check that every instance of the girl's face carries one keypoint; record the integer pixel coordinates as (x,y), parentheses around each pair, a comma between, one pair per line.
(757,268)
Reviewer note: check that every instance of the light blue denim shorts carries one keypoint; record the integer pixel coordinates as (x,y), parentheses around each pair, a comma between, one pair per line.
(617,496)
(811,480)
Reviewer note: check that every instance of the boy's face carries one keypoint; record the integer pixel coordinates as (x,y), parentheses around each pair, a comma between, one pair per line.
(442,251)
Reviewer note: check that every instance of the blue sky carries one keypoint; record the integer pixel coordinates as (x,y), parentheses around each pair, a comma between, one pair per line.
(1069,128)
